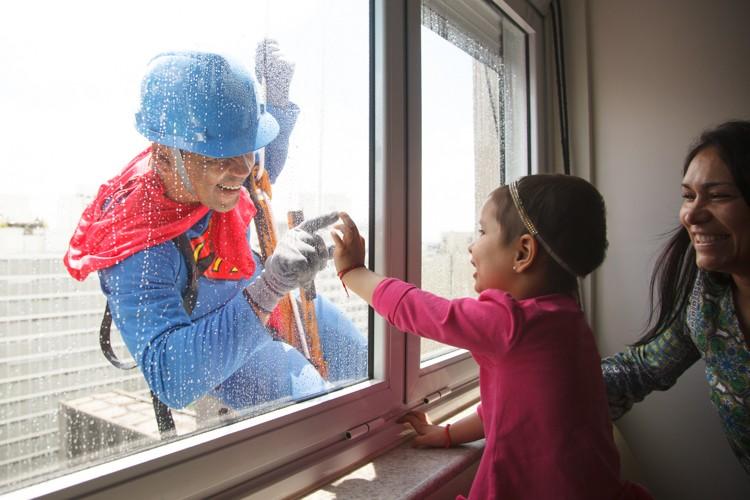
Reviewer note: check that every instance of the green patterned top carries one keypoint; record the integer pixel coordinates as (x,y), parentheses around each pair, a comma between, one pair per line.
(710,330)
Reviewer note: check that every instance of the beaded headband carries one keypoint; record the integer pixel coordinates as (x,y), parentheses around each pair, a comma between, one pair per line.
(531,228)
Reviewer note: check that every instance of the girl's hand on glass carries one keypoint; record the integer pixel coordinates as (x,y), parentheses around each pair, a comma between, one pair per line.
(349,252)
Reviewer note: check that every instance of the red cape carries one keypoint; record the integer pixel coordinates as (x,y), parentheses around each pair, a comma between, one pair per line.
(131,212)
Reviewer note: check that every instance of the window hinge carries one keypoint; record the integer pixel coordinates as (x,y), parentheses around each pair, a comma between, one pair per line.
(360,430)
(431,398)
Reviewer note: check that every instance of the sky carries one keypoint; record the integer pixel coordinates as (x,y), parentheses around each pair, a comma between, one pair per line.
(71,81)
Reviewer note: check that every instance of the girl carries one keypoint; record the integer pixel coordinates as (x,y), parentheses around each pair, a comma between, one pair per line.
(543,407)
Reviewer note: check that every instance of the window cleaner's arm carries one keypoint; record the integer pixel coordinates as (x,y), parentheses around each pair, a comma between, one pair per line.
(291,325)
(299,329)
(310,322)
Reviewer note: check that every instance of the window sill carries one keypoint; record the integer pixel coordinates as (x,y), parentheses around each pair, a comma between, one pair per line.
(406,472)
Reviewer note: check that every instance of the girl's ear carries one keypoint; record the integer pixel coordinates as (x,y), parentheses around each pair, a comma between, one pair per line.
(526,252)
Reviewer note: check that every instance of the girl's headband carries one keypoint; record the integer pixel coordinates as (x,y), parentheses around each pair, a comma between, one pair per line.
(531,228)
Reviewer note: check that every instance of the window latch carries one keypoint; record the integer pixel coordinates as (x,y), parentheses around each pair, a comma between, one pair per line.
(360,430)
(431,398)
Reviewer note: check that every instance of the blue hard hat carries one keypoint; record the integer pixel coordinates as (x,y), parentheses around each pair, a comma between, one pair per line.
(203,103)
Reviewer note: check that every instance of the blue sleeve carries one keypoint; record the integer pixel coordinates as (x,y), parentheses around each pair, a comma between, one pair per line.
(181,359)
(276,151)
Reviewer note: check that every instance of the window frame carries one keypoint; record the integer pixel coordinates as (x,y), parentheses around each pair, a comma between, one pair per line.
(438,377)
(226,459)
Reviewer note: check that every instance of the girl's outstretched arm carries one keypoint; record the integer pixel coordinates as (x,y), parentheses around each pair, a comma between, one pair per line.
(349,256)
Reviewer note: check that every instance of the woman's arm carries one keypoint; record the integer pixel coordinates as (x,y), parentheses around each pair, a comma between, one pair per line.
(632,374)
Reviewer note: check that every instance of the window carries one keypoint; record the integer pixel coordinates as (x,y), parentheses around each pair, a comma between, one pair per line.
(475,117)
(395,160)
(70,111)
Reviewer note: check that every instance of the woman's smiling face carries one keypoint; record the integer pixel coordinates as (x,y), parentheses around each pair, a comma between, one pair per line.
(716,216)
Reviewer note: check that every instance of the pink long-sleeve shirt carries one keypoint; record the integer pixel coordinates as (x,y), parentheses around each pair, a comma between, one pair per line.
(543,404)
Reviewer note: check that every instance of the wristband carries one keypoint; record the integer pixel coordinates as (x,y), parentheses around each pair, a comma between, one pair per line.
(448,441)
(344,271)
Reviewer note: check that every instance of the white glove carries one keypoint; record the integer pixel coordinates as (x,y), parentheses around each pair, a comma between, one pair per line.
(274,71)
(296,260)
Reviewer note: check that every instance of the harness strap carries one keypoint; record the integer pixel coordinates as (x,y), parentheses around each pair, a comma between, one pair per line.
(106,344)
(164,420)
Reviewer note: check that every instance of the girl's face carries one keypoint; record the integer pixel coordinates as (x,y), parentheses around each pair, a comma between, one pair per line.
(716,216)
(492,260)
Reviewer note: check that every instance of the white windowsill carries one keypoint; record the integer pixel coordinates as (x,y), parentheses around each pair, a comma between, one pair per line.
(406,472)
(431,474)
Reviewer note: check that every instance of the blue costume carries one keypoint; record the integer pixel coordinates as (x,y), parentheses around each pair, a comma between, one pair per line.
(221,348)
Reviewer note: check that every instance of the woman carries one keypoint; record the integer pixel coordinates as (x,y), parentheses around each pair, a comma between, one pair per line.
(703,283)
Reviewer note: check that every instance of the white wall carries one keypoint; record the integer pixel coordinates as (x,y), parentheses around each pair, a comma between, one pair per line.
(648,76)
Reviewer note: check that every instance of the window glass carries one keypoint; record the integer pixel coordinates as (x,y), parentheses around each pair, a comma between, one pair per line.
(71,88)
(474,135)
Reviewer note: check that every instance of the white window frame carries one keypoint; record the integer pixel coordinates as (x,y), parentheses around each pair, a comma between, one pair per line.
(445,374)
(292,449)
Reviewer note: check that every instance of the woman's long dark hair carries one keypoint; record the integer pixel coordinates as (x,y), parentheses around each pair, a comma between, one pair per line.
(675,270)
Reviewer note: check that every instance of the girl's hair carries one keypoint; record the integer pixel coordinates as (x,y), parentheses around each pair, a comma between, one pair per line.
(675,270)
(569,215)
